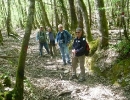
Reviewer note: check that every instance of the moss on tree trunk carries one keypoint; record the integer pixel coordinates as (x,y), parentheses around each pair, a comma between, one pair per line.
(85,16)
(19,86)
(102,23)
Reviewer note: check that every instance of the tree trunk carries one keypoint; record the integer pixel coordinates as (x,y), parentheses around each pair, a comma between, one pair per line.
(80,18)
(21,14)
(90,15)
(56,15)
(39,15)
(128,14)
(1,38)
(44,14)
(2,9)
(19,86)
(85,16)
(123,22)
(73,15)
(8,21)
(65,15)
(102,23)
(36,21)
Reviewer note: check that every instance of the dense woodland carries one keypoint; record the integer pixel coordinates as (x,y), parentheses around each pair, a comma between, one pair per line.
(105,24)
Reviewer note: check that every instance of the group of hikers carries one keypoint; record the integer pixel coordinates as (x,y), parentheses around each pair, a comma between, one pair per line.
(62,39)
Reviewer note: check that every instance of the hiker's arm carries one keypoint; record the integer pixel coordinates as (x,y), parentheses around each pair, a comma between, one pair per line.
(37,37)
(73,48)
(69,37)
(56,39)
(83,46)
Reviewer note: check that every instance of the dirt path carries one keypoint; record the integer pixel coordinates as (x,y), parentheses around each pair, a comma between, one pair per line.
(51,80)
(47,79)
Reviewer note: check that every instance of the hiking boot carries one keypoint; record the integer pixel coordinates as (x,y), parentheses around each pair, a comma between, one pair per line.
(69,62)
(81,79)
(40,56)
(64,64)
(73,77)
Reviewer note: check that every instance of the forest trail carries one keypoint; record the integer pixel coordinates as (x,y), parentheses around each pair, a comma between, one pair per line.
(47,79)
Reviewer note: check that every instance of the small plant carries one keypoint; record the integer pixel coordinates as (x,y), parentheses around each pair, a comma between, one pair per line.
(6,80)
(123,47)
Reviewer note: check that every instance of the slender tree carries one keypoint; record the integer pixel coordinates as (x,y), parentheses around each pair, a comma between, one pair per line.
(19,86)
(8,21)
(128,14)
(1,38)
(21,13)
(56,15)
(39,15)
(85,16)
(65,15)
(102,23)
(73,15)
(123,22)
(90,15)
(80,18)
(44,13)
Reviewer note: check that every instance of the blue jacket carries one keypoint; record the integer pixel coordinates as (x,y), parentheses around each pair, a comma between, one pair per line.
(79,45)
(67,37)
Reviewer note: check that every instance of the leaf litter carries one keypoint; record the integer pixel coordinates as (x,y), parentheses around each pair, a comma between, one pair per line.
(48,79)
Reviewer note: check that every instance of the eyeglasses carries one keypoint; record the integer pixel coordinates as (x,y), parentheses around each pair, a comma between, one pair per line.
(77,32)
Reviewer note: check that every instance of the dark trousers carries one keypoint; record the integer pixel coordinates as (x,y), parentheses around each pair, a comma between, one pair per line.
(41,48)
(52,50)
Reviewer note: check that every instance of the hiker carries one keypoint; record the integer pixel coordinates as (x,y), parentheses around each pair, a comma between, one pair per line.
(63,38)
(78,52)
(41,38)
(51,41)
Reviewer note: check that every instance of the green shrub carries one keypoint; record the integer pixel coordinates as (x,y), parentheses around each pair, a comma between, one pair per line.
(123,47)
(8,95)
(7,82)
(120,73)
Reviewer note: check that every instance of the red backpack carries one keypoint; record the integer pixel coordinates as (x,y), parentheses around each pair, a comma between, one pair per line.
(87,49)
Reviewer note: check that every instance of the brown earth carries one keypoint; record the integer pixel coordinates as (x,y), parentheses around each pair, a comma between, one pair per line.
(47,79)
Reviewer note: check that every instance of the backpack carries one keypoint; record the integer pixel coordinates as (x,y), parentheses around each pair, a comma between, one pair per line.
(87,49)
(41,37)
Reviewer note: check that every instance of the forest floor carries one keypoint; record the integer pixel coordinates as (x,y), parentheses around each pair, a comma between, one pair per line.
(47,79)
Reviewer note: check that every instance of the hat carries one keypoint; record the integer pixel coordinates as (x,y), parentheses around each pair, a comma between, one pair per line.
(78,29)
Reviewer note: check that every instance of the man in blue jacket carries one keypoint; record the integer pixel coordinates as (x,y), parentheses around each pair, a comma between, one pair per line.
(63,38)
(78,52)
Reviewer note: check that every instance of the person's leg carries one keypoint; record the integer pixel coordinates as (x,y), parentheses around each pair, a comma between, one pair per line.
(50,46)
(67,54)
(54,50)
(82,68)
(74,65)
(46,47)
(40,48)
(63,54)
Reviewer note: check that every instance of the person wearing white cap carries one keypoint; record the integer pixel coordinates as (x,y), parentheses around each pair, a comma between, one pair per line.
(63,38)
